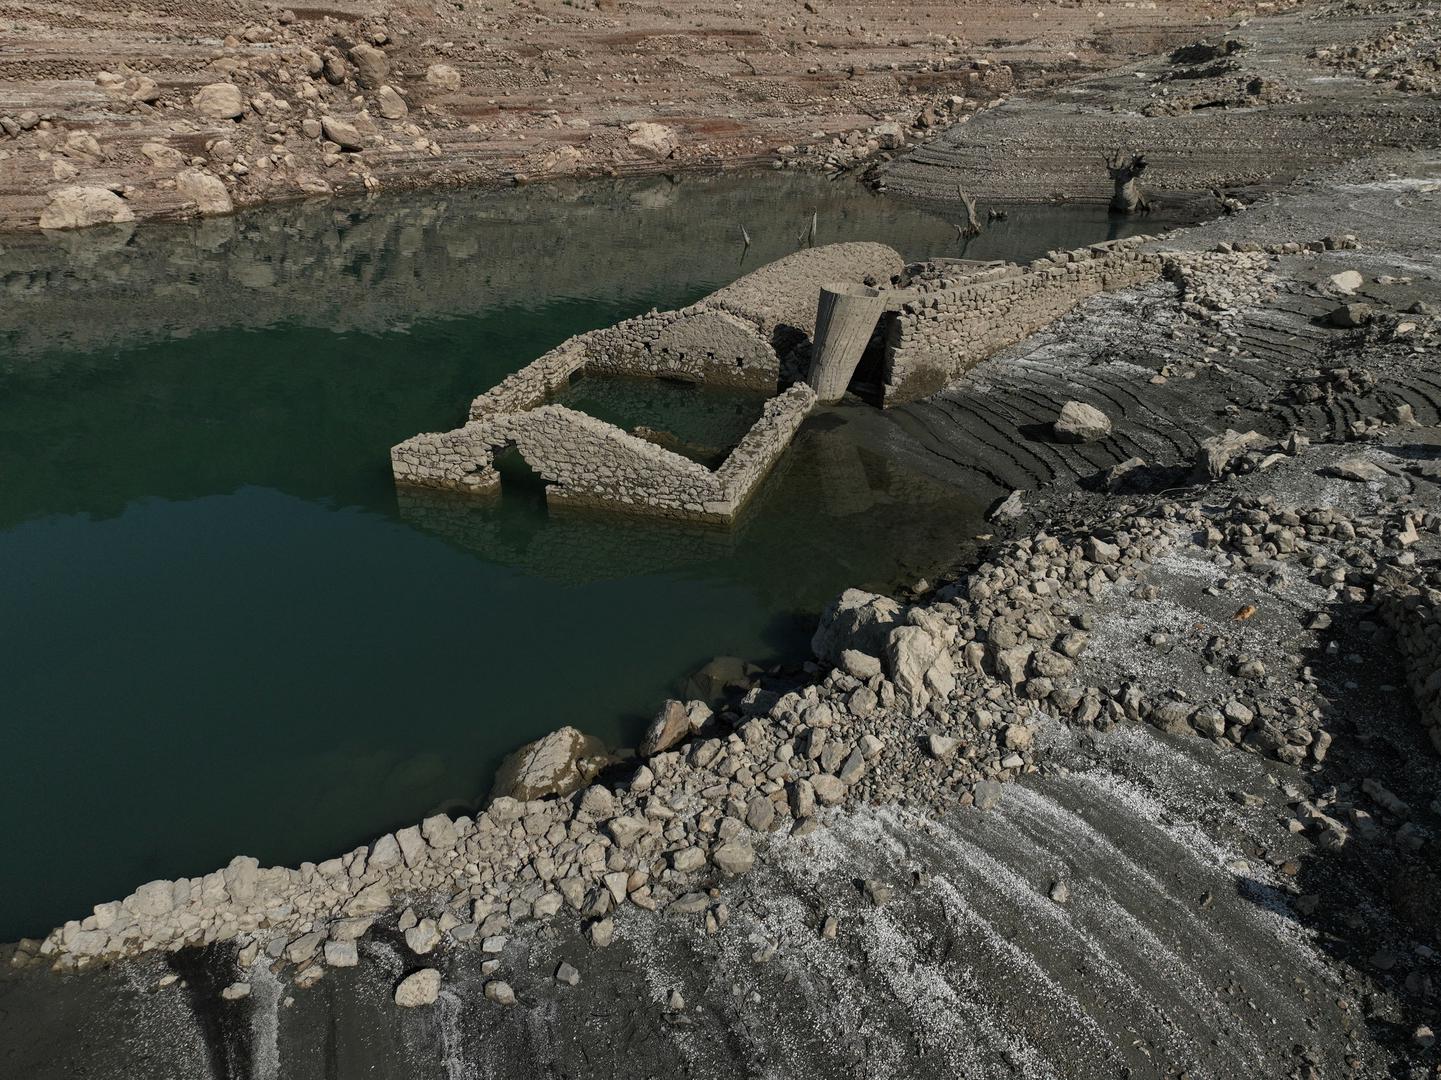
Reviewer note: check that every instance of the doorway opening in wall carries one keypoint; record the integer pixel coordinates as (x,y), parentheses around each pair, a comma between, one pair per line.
(520,485)
(868,382)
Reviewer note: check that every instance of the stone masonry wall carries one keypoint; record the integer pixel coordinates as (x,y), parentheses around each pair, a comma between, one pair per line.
(728,339)
(534,383)
(937,337)
(587,462)
(1413,612)
(695,344)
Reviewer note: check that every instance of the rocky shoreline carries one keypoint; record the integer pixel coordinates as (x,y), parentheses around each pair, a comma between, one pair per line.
(1202,594)
(1163,763)
(175,111)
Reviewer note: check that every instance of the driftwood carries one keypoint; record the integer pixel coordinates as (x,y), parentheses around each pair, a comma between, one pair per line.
(807,237)
(972,228)
(1125,173)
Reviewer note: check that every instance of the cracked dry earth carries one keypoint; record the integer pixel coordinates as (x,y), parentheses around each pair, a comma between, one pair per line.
(108,93)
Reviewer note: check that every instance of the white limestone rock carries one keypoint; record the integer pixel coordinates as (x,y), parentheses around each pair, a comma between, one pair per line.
(557,764)
(206,191)
(423,937)
(443,76)
(653,140)
(392,106)
(1080,423)
(855,620)
(418,989)
(675,721)
(219,101)
(343,133)
(77,207)
(371,65)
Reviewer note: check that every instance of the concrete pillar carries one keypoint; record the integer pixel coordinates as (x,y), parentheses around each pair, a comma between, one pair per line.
(845,317)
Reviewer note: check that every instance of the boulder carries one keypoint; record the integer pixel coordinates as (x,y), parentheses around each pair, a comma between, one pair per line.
(986,794)
(154,898)
(674,722)
(162,156)
(1347,281)
(423,937)
(206,191)
(1351,316)
(371,900)
(82,207)
(439,832)
(341,954)
(599,802)
(910,652)
(734,858)
(500,992)
(420,988)
(1358,469)
(855,620)
(687,860)
(1080,423)
(1219,451)
(392,106)
(720,677)
(385,853)
(558,764)
(941,747)
(335,69)
(828,789)
(371,65)
(626,830)
(219,101)
(343,133)
(858,664)
(889,135)
(1011,664)
(443,76)
(653,140)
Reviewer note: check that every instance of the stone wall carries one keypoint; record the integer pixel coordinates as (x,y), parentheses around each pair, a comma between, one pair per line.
(588,462)
(1413,612)
(948,329)
(533,384)
(736,336)
(729,339)
(694,344)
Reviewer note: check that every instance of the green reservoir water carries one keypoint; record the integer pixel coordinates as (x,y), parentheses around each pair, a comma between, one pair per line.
(222,629)
(703,423)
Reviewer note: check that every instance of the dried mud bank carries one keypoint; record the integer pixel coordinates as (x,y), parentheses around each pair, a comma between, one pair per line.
(1143,793)
(113,112)
(1253,107)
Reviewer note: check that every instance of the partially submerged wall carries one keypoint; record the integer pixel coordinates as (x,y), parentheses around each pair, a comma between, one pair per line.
(937,337)
(728,339)
(588,462)
(737,335)
(695,344)
(533,384)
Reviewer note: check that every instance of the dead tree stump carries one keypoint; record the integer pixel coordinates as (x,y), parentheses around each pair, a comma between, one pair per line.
(1125,173)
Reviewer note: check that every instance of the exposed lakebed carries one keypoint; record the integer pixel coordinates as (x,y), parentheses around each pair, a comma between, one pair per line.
(224,631)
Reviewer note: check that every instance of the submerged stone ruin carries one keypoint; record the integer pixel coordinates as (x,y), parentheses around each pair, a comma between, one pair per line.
(799,330)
